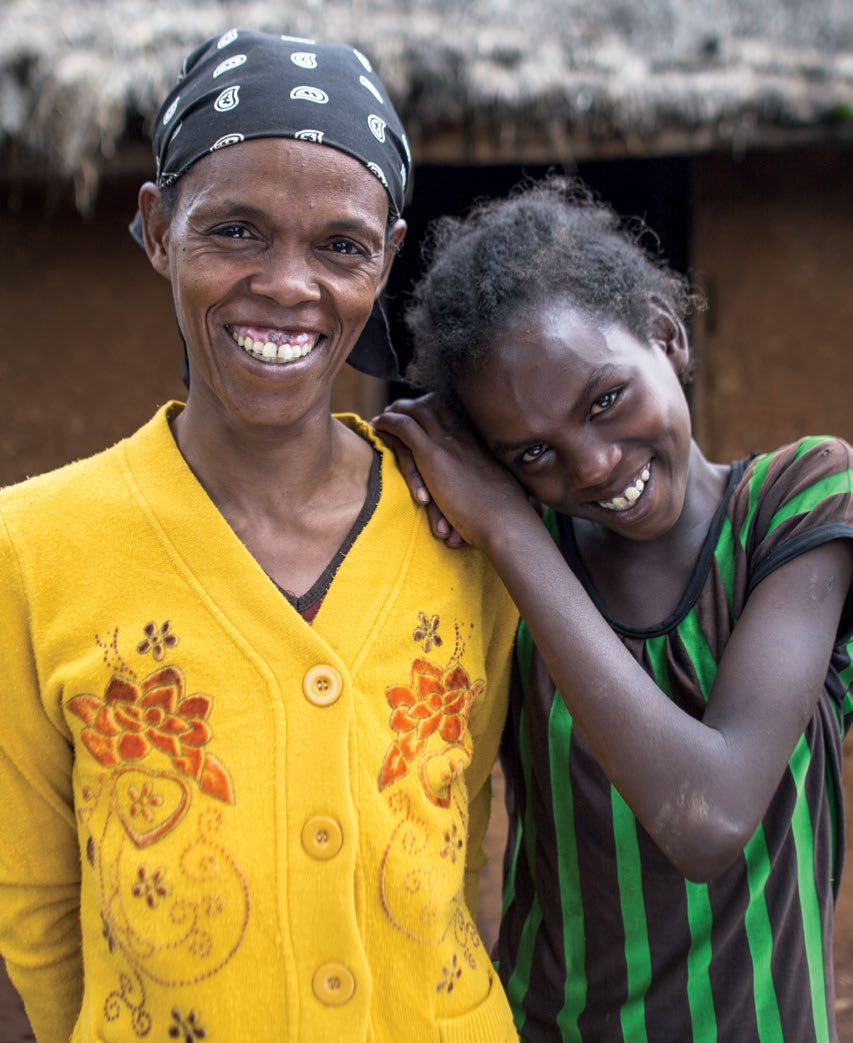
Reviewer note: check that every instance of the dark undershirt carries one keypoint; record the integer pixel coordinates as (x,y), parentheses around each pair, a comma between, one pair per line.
(308,604)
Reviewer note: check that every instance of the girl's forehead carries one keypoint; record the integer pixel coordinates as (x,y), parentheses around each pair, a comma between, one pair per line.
(555,333)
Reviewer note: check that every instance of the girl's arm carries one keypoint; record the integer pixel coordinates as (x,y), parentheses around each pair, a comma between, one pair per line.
(699,787)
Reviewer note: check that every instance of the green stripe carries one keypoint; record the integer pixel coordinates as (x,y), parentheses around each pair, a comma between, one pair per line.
(808,499)
(846,677)
(759,473)
(638,959)
(759,935)
(803,832)
(575,985)
(807,444)
(725,556)
(700,996)
(656,651)
(549,517)
(702,658)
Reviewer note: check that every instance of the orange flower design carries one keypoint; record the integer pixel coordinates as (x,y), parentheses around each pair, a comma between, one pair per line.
(431,712)
(133,719)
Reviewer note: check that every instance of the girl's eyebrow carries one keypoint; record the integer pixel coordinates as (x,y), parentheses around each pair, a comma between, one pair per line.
(598,376)
(601,374)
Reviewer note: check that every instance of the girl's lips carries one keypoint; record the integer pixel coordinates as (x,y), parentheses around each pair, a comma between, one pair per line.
(274,345)
(631,494)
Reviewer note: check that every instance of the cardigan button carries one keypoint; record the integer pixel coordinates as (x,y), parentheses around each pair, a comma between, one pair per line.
(322,837)
(322,685)
(333,984)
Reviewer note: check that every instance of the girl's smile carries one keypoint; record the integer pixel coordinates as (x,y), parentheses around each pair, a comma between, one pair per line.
(629,498)
(590,420)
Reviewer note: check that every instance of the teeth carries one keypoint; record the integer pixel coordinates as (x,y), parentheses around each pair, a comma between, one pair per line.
(630,496)
(269,351)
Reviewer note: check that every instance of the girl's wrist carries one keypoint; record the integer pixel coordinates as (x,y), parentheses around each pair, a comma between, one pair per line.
(509,535)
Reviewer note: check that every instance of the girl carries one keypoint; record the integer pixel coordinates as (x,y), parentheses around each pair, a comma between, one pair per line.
(684,662)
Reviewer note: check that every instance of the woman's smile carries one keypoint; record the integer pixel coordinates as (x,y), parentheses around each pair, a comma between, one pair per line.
(274,346)
(271,296)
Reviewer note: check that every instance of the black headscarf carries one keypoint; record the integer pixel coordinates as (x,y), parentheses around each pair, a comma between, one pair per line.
(247,84)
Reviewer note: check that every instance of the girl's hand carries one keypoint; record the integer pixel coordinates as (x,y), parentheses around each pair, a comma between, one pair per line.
(452,469)
(439,525)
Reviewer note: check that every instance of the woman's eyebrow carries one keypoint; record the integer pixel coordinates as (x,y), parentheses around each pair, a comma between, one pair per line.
(237,208)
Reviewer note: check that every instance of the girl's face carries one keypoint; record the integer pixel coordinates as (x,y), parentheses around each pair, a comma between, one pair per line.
(592,421)
(276,251)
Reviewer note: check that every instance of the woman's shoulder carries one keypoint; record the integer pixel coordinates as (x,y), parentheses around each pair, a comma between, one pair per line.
(55,500)
(59,485)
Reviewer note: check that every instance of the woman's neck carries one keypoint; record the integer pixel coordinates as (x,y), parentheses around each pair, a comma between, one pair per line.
(269,470)
(291,495)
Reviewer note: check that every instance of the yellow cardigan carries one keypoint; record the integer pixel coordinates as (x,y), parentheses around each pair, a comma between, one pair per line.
(218,821)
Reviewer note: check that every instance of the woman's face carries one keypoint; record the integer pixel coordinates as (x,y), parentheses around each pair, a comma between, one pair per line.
(276,251)
(592,421)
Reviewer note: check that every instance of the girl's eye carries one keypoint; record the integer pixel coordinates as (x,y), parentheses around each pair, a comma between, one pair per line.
(600,405)
(532,454)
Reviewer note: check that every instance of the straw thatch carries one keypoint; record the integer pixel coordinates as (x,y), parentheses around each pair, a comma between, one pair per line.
(475,80)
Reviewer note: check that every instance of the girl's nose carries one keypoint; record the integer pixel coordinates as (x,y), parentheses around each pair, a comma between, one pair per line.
(593,462)
(286,276)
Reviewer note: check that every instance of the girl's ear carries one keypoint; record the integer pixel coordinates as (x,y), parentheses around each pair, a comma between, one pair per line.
(155,228)
(669,334)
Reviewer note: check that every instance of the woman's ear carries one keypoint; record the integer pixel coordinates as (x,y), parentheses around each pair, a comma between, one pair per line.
(392,248)
(669,334)
(155,228)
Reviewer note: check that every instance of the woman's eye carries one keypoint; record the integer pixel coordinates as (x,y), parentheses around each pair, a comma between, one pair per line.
(603,403)
(233,232)
(347,248)
(532,454)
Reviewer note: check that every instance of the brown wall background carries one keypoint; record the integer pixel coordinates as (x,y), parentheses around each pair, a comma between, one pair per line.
(773,248)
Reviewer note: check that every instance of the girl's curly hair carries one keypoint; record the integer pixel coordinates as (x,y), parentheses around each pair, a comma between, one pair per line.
(547,240)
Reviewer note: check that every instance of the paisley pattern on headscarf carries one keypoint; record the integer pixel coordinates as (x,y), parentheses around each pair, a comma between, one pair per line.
(246,84)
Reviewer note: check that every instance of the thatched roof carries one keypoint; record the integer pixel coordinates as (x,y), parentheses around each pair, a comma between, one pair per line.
(475,80)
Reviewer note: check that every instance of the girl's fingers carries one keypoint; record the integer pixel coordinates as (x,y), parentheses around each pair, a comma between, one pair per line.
(441,528)
(406,463)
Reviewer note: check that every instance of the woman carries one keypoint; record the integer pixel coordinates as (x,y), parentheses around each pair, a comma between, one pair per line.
(248,704)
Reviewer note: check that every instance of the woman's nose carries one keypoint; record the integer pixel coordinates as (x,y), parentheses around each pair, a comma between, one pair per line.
(286,276)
